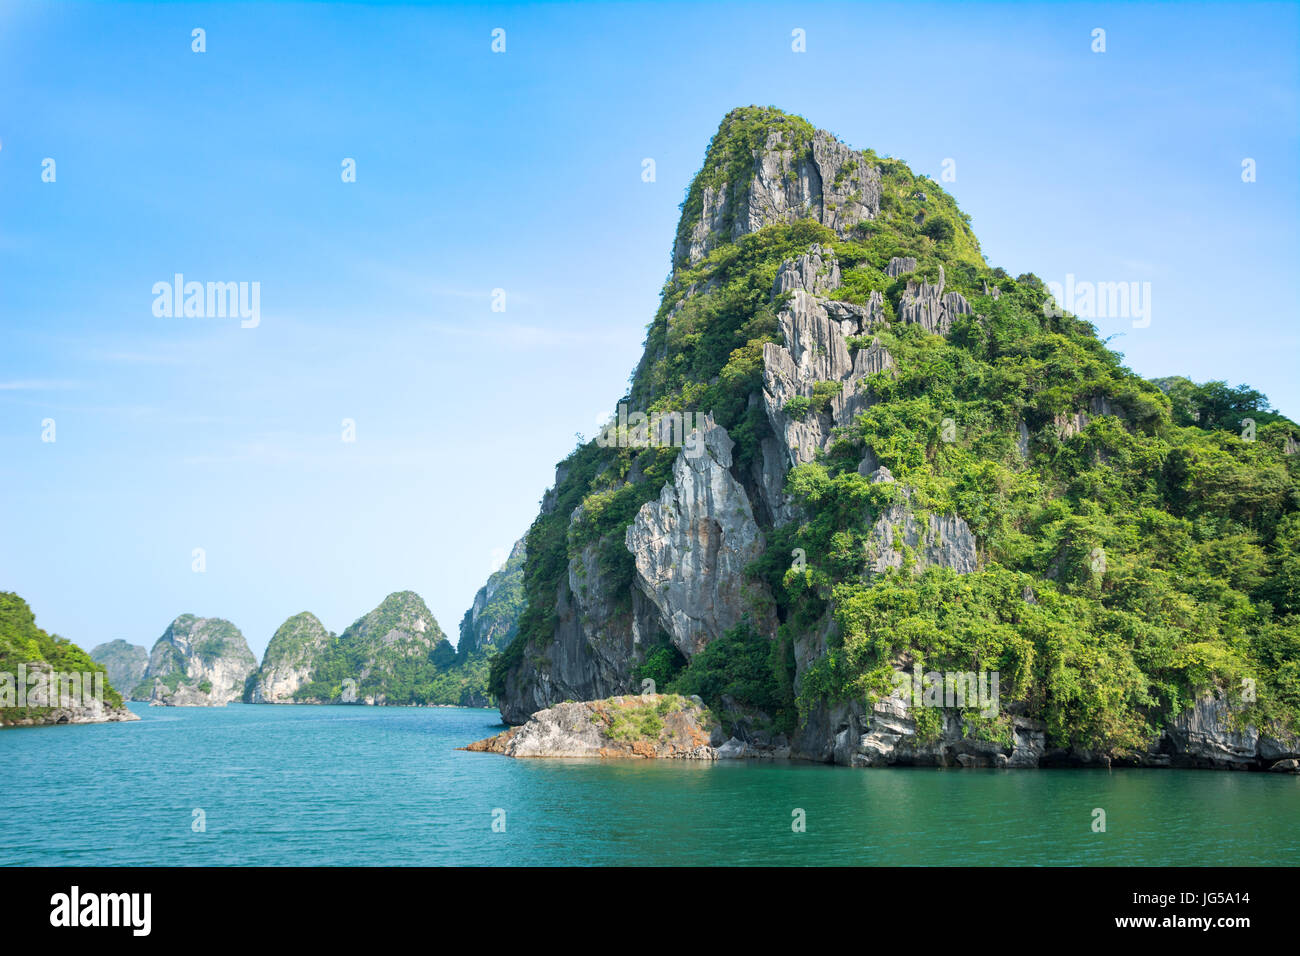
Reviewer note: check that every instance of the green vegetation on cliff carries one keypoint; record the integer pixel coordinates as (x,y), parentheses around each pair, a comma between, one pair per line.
(22,642)
(1138,543)
(396,654)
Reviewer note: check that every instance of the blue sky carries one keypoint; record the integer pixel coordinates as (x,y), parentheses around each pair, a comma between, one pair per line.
(522,171)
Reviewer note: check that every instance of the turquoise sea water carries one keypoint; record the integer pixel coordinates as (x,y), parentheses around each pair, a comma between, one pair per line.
(386,786)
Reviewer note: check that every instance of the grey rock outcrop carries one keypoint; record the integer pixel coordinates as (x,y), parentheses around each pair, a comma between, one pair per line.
(653,726)
(492,621)
(597,643)
(691,546)
(851,189)
(1069,424)
(1209,735)
(822,179)
(944,541)
(926,305)
(884,734)
(810,272)
(198,662)
(900,266)
(815,331)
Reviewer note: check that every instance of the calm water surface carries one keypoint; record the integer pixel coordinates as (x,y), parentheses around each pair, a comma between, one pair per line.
(386,786)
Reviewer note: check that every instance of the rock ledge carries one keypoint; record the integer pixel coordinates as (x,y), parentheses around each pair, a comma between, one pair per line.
(648,726)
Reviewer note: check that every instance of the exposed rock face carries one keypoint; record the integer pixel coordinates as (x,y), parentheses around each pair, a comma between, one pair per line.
(850,188)
(789,177)
(1069,424)
(198,662)
(900,266)
(810,272)
(124,663)
(884,733)
(289,659)
(689,548)
(815,332)
(650,726)
(945,541)
(492,621)
(926,305)
(597,643)
(1207,736)
(692,545)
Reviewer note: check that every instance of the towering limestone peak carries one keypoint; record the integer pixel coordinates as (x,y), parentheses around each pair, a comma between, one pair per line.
(45,679)
(765,167)
(198,662)
(396,654)
(288,661)
(493,620)
(402,618)
(896,457)
(125,663)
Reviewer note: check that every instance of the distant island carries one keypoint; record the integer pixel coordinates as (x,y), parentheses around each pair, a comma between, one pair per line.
(395,655)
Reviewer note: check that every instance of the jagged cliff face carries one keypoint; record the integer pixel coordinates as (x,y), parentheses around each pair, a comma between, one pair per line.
(492,621)
(902,457)
(198,662)
(692,545)
(597,640)
(123,662)
(289,659)
(678,572)
(765,167)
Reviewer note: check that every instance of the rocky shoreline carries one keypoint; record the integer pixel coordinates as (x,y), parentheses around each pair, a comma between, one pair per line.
(91,712)
(651,726)
(658,726)
(1205,736)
